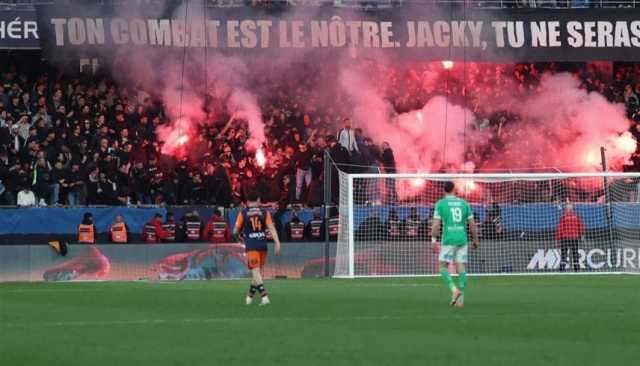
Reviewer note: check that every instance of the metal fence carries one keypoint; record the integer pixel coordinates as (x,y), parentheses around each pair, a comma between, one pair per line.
(358,4)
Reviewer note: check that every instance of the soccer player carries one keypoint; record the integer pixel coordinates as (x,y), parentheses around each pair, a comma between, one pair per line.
(250,227)
(453,214)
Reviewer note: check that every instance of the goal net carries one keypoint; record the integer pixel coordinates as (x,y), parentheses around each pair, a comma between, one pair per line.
(527,223)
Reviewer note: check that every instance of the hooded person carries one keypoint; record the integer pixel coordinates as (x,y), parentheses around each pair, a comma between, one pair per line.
(87,230)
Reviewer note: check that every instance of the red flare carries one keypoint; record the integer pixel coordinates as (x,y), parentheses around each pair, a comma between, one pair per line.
(418,183)
(260,158)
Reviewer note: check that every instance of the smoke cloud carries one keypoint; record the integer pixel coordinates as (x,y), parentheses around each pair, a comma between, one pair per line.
(564,126)
(561,125)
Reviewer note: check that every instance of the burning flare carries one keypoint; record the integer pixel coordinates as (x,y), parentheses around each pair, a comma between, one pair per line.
(448,65)
(260,158)
(418,183)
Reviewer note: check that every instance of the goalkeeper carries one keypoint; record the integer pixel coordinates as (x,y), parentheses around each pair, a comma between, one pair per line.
(453,214)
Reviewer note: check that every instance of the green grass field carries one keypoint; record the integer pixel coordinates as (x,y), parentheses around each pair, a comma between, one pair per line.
(576,320)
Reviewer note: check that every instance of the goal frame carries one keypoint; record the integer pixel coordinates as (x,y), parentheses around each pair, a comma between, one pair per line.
(454,176)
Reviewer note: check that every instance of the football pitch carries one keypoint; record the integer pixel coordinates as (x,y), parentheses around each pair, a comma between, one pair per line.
(559,320)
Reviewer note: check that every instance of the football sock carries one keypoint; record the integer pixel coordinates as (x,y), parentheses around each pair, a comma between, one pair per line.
(252,290)
(262,290)
(446,277)
(462,281)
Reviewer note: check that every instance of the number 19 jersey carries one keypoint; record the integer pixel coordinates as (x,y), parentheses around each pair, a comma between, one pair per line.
(453,212)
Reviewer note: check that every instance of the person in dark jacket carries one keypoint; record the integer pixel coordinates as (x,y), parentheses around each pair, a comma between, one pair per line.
(169,226)
(492,224)
(393,226)
(389,164)
(333,223)
(277,218)
(315,227)
(339,156)
(295,228)
(192,226)
(414,229)
(303,170)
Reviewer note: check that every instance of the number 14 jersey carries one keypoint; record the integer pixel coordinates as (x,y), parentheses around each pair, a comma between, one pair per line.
(252,222)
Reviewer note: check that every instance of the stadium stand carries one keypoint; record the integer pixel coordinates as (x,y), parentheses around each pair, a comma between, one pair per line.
(78,138)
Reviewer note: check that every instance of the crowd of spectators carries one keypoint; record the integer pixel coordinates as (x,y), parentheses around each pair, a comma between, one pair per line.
(81,139)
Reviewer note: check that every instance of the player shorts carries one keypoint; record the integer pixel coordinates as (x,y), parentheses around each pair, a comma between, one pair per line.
(454,253)
(256,258)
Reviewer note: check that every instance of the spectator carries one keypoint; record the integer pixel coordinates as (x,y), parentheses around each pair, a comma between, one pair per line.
(630,97)
(347,137)
(287,190)
(26,198)
(219,186)
(492,223)
(389,165)
(569,232)
(303,170)
(339,156)
(105,191)
(73,187)
(43,185)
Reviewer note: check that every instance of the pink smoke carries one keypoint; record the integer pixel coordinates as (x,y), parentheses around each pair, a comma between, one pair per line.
(566,126)
(244,105)
(417,137)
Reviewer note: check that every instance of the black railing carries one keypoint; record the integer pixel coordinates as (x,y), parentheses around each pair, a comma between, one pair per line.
(358,4)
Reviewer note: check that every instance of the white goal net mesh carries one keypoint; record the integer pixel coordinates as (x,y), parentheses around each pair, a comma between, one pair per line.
(527,223)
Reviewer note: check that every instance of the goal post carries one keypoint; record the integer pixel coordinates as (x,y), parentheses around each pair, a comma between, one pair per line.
(528,223)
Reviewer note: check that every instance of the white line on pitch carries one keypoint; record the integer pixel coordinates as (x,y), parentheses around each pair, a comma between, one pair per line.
(453,317)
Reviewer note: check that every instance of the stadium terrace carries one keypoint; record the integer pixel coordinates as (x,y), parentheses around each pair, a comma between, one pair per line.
(313,182)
